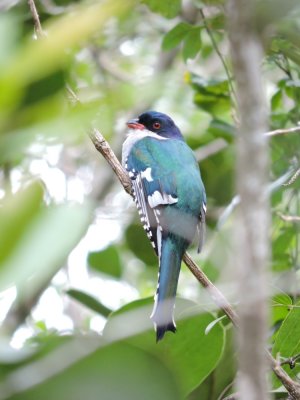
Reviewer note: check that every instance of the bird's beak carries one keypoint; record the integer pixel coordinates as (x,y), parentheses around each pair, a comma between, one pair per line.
(134,124)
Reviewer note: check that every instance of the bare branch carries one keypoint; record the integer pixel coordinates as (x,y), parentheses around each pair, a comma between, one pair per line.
(292,387)
(291,361)
(211,148)
(217,296)
(234,396)
(37,24)
(285,131)
(293,178)
(289,218)
(103,147)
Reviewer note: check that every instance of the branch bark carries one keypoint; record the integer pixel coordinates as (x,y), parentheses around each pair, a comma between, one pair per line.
(36,19)
(285,131)
(252,225)
(216,295)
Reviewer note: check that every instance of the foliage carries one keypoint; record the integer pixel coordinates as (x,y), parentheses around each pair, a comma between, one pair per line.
(69,236)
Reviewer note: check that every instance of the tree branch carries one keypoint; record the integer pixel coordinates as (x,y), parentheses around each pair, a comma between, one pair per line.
(36,19)
(289,218)
(293,178)
(217,296)
(104,148)
(291,361)
(277,132)
(252,226)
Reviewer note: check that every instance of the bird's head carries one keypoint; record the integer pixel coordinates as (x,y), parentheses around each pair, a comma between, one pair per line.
(156,122)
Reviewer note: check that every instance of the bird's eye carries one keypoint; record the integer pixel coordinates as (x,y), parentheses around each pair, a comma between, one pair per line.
(156,125)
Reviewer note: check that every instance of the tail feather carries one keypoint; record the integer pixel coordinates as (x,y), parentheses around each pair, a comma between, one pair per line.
(172,249)
(162,329)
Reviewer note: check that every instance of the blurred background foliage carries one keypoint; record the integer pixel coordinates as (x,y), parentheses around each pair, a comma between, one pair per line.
(77,273)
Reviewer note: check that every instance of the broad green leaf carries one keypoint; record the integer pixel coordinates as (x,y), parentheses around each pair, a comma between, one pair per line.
(167,8)
(46,239)
(281,247)
(192,44)
(175,36)
(222,376)
(213,86)
(117,371)
(16,213)
(10,31)
(140,245)
(211,95)
(222,129)
(288,49)
(89,301)
(37,59)
(287,341)
(106,261)
(190,353)
(276,101)
(281,304)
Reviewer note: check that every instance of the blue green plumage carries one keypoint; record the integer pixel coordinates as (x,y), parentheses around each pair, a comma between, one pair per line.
(170,197)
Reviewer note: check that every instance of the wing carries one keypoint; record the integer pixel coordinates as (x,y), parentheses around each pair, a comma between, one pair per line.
(151,191)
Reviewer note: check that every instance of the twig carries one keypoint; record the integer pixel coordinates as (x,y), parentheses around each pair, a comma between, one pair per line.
(211,148)
(277,132)
(293,178)
(291,361)
(37,25)
(289,218)
(291,386)
(225,390)
(103,147)
(215,46)
(217,296)
(234,396)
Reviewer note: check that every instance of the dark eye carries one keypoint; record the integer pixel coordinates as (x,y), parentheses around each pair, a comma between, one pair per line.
(156,125)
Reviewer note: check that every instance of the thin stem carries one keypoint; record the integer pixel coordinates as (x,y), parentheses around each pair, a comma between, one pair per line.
(37,24)
(220,55)
(293,178)
(284,131)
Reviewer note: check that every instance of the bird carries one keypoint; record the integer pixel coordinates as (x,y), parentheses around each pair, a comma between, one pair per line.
(171,200)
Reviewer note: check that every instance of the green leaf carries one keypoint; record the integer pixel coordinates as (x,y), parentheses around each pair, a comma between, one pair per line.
(222,129)
(182,350)
(211,95)
(106,261)
(175,36)
(192,44)
(36,59)
(281,305)
(276,101)
(281,246)
(222,376)
(167,8)
(287,342)
(16,214)
(117,371)
(41,242)
(89,301)
(140,245)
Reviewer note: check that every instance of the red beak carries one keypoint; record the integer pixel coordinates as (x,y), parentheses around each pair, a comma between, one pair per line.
(134,124)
